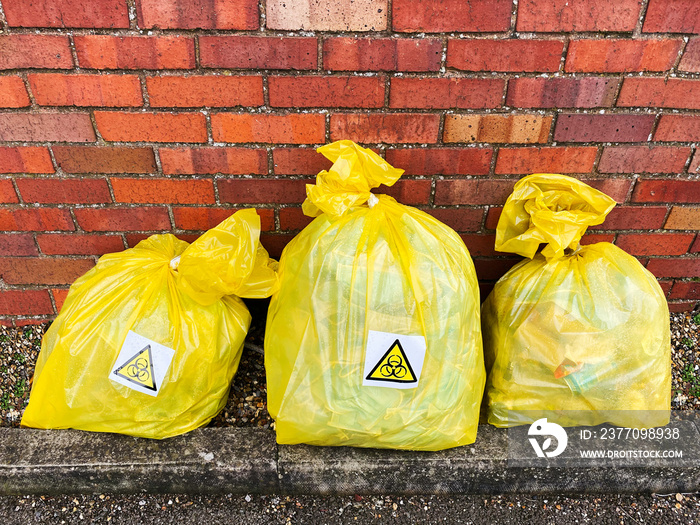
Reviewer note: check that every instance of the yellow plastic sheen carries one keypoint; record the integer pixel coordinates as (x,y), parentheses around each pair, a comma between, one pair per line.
(387,268)
(584,330)
(191,310)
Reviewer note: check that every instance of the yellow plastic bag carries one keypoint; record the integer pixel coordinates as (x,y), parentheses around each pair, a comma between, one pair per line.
(373,339)
(576,333)
(146,347)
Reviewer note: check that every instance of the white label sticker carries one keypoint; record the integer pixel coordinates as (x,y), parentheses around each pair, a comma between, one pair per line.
(393,360)
(142,364)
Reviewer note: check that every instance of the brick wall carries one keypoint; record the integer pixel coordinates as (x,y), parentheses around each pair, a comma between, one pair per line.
(123,118)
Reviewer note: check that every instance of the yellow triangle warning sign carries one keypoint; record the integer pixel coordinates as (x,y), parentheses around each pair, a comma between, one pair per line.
(393,366)
(139,369)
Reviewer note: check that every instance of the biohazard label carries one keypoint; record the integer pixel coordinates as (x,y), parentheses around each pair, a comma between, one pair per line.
(142,364)
(393,360)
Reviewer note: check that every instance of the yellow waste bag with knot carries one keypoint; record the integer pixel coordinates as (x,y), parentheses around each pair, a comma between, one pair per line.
(148,341)
(373,339)
(577,334)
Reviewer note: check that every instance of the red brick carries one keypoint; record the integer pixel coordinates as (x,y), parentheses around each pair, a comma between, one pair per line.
(695,248)
(202,14)
(253,52)
(293,219)
(274,243)
(695,163)
(28,322)
(156,191)
(263,191)
(309,92)
(691,57)
(67,13)
(25,302)
(618,189)
(660,93)
(546,160)
(18,159)
(479,244)
(135,52)
(17,244)
(492,216)
(672,16)
(683,218)
(44,270)
(682,306)
(441,161)
(654,190)
(675,267)
(382,54)
(13,93)
(643,159)
(51,89)
(79,244)
(444,93)
(444,16)
(685,290)
(665,286)
(603,128)
(685,128)
(634,218)
(493,269)
(35,219)
(504,55)
(62,191)
(408,191)
(590,92)
(132,239)
(151,127)
(209,90)
(298,161)
(497,128)
(100,159)
(123,219)
(8,195)
(622,55)
(459,219)
(59,297)
(655,243)
(35,51)
(386,127)
(555,16)
(294,128)
(231,161)
(200,218)
(473,191)
(595,238)
(41,127)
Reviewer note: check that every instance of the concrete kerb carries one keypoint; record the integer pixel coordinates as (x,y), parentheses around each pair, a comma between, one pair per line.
(241,461)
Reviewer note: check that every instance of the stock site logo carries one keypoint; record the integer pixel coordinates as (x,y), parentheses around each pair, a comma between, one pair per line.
(547,430)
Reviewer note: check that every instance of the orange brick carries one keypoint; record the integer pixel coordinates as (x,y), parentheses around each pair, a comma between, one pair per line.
(232,161)
(208,14)
(7,192)
(497,128)
(19,159)
(683,218)
(391,128)
(660,93)
(151,127)
(343,92)
(51,89)
(13,93)
(622,55)
(156,191)
(209,90)
(135,52)
(283,129)
(35,219)
(59,297)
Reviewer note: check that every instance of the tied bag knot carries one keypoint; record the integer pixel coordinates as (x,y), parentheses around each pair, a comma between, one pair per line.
(552,209)
(348,183)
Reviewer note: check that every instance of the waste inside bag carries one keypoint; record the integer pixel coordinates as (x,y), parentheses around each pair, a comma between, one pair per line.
(579,334)
(373,339)
(148,341)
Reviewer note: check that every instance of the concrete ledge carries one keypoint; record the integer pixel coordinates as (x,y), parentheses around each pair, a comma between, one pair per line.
(239,461)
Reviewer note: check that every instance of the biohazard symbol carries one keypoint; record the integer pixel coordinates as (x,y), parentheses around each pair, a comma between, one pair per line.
(139,369)
(393,366)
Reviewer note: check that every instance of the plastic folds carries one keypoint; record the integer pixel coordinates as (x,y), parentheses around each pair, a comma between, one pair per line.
(373,339)
(573,328)
(148,341)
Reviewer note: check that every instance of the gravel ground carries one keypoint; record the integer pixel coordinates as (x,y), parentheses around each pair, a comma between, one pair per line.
(254,510)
